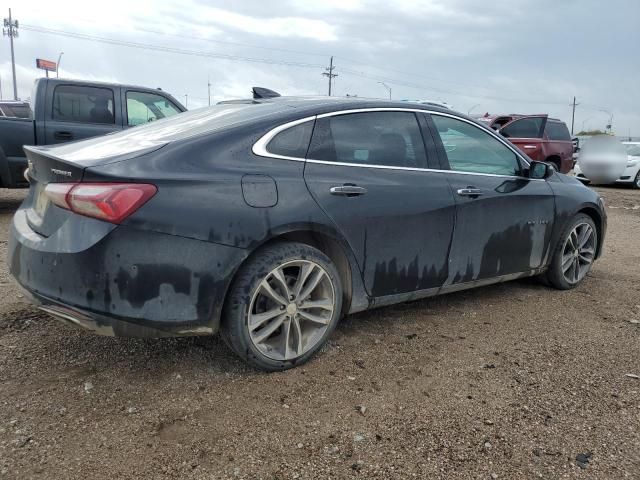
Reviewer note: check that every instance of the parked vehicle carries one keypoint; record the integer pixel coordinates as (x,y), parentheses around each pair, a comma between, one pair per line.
(269,220)
(541,138)
(65,110)
(632,173)
(15,109)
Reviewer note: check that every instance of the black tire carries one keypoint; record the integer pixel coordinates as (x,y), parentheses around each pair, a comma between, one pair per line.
(235,318)
(555,276)
(636,181)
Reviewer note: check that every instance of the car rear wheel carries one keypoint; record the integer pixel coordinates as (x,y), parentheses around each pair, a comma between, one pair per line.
(282,307)
(636,181)
(575,253)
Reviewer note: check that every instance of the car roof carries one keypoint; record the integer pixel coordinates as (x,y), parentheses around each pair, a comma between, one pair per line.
(208,120)
(338,103)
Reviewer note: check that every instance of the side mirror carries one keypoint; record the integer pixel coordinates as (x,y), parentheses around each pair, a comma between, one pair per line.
(540,170)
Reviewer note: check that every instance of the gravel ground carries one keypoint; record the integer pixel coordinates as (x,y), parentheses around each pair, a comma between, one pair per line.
(509,381)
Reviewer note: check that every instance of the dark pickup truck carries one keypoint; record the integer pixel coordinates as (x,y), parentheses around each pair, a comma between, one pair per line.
(65,110)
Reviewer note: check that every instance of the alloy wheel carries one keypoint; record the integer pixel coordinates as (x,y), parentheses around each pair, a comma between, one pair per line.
(291,310)
(578,253)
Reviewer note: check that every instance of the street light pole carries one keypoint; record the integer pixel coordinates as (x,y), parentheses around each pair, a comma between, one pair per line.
(58,64)
(387,87)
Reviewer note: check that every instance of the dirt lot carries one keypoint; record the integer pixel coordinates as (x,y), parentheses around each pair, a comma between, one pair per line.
(510,381)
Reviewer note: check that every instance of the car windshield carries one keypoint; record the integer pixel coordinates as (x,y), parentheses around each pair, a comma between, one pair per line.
(633,149)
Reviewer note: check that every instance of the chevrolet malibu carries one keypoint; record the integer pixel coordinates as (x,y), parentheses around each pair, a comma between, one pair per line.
(269,220)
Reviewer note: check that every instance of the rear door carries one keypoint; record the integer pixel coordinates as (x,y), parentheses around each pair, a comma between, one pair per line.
(527,133)
(503,219)
(368,172)
(559,142)
(76,111)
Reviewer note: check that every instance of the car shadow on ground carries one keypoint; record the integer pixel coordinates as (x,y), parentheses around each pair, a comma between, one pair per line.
(77,352)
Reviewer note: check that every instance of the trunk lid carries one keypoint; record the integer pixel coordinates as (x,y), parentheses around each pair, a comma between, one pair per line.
(67,164)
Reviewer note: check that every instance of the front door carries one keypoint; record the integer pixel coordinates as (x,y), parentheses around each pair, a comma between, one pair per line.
(367,172)
(504,220)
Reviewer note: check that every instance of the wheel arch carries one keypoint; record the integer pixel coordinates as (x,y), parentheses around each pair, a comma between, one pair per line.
(556,160)
(354,297)
(595,215)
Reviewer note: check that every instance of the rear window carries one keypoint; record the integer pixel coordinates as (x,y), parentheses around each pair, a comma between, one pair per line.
(524,128)
(292,142)
(558,131)
(15,110)
(72,103)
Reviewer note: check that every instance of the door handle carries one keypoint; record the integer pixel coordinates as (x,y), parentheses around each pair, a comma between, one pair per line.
(63,135)
(472,192)
(348,190)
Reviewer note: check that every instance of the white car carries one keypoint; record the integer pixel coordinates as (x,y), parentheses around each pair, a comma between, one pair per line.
(631,173)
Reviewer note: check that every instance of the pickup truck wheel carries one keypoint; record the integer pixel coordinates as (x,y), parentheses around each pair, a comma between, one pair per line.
(574,254)
(282,307)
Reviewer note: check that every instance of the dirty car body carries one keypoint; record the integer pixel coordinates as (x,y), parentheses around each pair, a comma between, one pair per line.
(230,180)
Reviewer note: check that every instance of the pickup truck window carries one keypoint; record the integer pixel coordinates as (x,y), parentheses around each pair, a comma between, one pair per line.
(73,103)
(558,131)
(524,128)
(144,107)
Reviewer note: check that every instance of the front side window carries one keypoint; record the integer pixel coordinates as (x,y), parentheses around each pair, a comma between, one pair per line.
(524,128)
(145,107)
(292,142)
(72,103)
(557,131)
(370,138)
(470,149)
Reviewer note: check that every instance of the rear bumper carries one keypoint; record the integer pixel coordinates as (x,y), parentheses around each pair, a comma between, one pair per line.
(123,281)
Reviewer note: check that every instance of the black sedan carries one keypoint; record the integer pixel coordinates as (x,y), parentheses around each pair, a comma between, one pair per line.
(268,220)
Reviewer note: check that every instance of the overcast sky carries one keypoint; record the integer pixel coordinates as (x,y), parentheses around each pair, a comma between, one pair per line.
(529,56)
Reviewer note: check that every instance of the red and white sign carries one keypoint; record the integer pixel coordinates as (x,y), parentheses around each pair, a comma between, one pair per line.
(47,65)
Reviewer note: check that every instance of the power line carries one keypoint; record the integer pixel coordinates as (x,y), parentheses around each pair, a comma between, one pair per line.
(380,78)
(160,48)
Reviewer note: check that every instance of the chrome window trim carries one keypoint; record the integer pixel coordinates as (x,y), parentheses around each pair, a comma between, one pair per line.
(260,147)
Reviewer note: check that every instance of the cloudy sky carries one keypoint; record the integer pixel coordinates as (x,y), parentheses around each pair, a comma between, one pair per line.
(529,56)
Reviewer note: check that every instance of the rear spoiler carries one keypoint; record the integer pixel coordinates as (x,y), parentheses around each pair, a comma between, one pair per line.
(258,93)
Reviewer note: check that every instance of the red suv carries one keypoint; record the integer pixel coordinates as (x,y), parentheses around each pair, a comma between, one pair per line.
(538,136)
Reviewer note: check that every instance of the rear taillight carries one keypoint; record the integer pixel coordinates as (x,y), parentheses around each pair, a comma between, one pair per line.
(111,202)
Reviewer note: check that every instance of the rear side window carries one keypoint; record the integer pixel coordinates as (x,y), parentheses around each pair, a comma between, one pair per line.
(144,107)
(524,128)
(371,138)
(558,131)
(292,142)
(73,103)
(470,149)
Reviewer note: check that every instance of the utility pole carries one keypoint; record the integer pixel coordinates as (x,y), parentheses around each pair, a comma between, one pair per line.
(573,115)
(209,88)
(329,73)
(11,30)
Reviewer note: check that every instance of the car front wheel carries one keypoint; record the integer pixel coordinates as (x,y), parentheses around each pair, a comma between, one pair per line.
(282,307)
(575,253)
